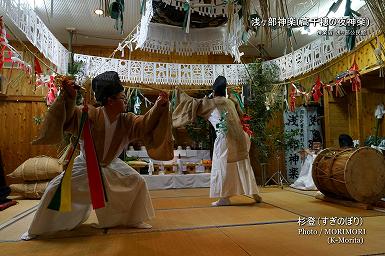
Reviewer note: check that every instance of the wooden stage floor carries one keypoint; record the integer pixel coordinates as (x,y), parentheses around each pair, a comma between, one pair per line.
(186,224)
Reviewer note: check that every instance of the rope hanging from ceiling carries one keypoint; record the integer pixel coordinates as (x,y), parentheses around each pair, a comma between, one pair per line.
(377,8)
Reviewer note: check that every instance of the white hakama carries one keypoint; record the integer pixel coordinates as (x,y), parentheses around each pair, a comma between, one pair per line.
(128,204)
(229,179)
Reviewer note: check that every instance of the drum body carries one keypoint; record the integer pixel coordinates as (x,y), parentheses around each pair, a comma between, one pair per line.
(354,174)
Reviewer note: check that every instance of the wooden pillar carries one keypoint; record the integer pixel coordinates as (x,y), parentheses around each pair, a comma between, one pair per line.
(71,32)
(360,133)
(327,139)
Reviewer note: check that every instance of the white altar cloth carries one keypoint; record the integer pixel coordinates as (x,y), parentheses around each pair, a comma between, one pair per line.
(197,180)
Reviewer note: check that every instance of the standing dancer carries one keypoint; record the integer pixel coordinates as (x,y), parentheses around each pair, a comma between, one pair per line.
(231,172)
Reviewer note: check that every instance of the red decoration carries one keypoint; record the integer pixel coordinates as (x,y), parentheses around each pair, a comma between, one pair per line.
(38,70)
(12,58)
(245,125)
(3,42)
(52,91)
(293,92)
(95,182)
(355,80)
(316,91)
(9,60)
(2,60)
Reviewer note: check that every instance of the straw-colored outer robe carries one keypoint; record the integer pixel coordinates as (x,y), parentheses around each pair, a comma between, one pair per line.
(231,172)
(129,202)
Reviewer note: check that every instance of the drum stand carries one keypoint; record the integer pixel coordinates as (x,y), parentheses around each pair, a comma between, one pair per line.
(277,177)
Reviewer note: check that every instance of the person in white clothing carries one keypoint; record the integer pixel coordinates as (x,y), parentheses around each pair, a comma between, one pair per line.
(231,172)
(305,178)
(129,203)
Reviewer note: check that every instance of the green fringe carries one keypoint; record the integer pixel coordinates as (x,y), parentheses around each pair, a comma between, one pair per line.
(56,199)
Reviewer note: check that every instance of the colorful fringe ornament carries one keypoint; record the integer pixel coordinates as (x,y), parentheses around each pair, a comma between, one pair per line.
(37,67)
(65,203)
(3,42)
(95,181)
(9,60)
(355,80)
(293,92)
(61,200)
(316,91)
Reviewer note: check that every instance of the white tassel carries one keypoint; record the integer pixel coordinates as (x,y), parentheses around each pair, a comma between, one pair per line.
(188,20)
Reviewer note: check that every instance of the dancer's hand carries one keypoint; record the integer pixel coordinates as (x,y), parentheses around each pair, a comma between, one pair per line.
(163,98)
(70,87)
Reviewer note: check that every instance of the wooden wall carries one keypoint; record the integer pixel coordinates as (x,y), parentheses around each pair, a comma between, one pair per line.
(372,94)
(353,114)
(17,129)
(20,102)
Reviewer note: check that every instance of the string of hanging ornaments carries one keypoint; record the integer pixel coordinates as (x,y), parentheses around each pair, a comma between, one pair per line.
(10,58)
(290,65)
(23,17)
(193,26)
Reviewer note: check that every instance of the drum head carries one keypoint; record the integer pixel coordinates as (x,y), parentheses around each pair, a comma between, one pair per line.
(365,175)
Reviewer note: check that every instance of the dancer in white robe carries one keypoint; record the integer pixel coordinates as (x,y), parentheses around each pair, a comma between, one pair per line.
(305,179)
(129,203)
(231,172)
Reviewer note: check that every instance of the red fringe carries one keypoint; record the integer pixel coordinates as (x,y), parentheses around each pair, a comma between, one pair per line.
(93,169)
